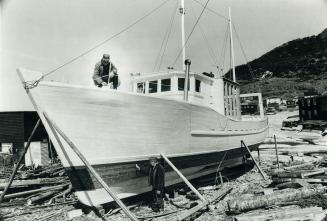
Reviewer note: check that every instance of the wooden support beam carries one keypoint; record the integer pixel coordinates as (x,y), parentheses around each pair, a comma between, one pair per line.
(255,162)
(19,161)
(276,151)
(90,168)
(186,181)
(221,193)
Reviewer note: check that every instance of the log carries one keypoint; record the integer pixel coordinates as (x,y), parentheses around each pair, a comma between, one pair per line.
(40,197)
(304,165)
(298,174)
(33,182)
(286,195)
(20,194)
(308,180)
(61,194)
(292,185)
(312,213)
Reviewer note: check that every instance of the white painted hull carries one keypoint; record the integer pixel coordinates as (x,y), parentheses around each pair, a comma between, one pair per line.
(111,127)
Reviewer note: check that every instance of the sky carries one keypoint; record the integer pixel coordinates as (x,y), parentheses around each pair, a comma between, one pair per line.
(42,35)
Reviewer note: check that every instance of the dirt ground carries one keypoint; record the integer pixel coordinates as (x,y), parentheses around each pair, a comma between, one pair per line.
(249,183)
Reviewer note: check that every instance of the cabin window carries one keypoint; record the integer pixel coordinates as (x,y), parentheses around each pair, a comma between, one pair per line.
(181,82)
(308,102)
(165,85)
(314,101)
(197,85)
(153,87)
(141,87)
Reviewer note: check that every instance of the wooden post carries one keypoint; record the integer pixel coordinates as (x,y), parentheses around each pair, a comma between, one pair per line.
(19,161)
(90,168)
(255,162)
(221,178)
(186,181)
(258,149)
(276,151)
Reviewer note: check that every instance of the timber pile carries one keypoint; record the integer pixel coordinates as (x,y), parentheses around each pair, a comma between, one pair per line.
(35,186)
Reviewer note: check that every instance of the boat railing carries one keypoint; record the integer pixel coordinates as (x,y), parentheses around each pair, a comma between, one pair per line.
(232,103)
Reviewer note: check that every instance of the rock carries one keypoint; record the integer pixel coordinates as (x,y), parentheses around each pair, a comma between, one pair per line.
(74,213)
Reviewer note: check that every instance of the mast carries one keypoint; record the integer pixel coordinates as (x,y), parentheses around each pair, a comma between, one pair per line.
(182,12)
(232,45)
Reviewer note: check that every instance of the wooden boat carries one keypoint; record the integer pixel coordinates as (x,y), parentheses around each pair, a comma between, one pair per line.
(115,130)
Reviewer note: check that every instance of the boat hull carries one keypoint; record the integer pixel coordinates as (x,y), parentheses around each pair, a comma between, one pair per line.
(126,181)
(114,130)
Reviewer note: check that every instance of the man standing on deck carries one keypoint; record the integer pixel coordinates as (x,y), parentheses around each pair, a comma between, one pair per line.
(156,179)
(105,73)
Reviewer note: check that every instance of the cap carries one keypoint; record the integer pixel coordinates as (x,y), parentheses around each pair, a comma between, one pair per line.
(153,159)
(106,56)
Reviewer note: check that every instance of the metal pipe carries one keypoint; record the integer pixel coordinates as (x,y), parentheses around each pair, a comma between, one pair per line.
(187,78)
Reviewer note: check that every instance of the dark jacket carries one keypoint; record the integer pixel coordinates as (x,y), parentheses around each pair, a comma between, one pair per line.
(156,176)
(99,76)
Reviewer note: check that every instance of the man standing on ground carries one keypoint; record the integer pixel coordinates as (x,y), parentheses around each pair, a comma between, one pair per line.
(105,73)
(156,179)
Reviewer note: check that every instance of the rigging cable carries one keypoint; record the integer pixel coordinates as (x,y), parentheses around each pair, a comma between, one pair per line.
(243,52)
(188,37)
(165,40)
(108,39)
(223,54)
(216,13)
(171,25)
(210,50)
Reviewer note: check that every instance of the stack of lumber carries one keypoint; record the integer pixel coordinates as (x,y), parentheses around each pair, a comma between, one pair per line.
(35,186)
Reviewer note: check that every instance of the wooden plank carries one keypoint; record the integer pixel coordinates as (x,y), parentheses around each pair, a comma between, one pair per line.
(195,209)
(255,162)
(186,181)
(90,168)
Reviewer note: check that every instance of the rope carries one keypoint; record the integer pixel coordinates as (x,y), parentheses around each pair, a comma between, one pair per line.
(164,51)
(210,50)
(165,38)
(188,37)
(31,84)
(223,54)
(108,39)
(243,52)
(214,12)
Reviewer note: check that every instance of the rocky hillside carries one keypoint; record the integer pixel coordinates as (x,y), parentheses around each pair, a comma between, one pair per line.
(292,69)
